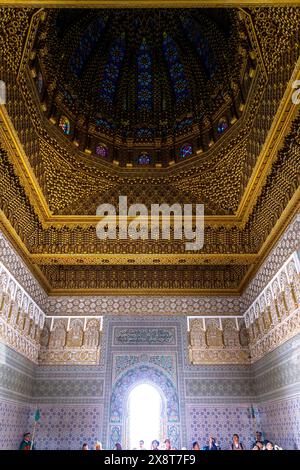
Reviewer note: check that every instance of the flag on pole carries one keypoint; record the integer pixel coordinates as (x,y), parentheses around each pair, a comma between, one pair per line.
(37,415)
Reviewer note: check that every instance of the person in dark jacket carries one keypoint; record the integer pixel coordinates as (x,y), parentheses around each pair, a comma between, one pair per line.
(211,444)
(26,443)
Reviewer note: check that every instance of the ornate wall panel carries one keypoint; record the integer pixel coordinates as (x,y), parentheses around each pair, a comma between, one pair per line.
(214,399)
(17,376)
(220,421)
(66,389)
(276,376)
(148,336)
(142,305)
(14,422)
(21,320)
(288,243)
(49,340)
(218,340)
(274,317)
(16,266)
(125,362)
(68,426)
(280,420)
(133,358)
(71,340)
(218,387)
(16,391)
(277,387)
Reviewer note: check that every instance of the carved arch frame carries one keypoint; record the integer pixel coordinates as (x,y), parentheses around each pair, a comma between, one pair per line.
(154,376)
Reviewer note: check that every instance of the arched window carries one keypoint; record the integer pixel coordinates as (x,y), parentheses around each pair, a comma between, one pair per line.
(144,159)
(144,65)
(186,150)
(144,415)
(222,125)
(64,124)
(176,69)
(102,150)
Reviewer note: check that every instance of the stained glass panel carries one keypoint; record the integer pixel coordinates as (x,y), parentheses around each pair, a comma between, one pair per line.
(176,69)
(144,159)
(222,125)
(144,66)
(112,70)
(186,150)
(64,124)
(102,150)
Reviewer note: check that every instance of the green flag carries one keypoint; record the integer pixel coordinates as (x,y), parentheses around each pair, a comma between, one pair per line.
(37,415)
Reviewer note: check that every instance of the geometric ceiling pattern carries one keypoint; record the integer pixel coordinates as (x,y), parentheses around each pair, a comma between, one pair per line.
(216,96)
(142,87)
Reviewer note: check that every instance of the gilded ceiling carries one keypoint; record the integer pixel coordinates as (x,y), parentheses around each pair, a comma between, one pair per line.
(187,106)
(143,87)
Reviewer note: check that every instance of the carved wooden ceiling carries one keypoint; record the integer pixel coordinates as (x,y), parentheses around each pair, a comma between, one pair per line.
(143,89)
(52,181)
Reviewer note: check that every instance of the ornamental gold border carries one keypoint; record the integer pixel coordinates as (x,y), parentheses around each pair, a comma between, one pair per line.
(145,3)
(113,259)
(145,292)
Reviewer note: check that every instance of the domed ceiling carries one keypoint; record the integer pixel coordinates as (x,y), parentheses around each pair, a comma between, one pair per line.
(164,106)
(142,87)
